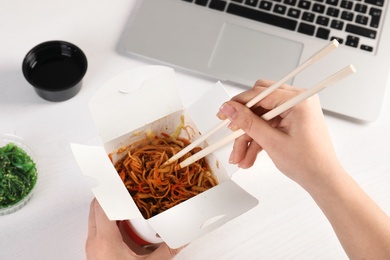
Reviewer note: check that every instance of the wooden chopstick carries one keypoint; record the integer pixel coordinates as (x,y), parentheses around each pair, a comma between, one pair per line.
(273,113)
(314,58)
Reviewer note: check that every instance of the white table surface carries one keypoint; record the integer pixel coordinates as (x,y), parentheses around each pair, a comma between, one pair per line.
(286,224)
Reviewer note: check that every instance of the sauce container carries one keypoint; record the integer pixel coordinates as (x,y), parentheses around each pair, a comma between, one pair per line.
(55,69)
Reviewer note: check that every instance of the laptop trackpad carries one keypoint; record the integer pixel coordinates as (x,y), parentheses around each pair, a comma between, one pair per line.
(248,55)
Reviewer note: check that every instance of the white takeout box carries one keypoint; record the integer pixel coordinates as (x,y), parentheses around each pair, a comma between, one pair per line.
(144,99)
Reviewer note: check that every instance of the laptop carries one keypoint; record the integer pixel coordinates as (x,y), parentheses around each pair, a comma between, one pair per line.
(241,41)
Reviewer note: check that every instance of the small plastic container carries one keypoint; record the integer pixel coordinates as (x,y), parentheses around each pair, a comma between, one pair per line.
(55,69)
(5,139)
(141,232)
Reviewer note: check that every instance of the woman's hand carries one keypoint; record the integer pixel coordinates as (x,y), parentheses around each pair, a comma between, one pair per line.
(297,141)
(105,240)
(299,144)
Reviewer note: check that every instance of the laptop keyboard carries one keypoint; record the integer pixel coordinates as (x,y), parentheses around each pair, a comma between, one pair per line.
(355,23)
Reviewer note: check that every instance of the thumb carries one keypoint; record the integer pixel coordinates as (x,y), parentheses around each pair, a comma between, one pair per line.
(253,125)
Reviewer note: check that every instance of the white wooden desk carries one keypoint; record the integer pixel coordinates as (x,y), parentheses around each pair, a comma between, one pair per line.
(286,225)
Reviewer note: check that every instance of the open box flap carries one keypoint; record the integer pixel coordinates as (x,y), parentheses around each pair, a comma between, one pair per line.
(110,191)
(203,112)
(133,99)
(201,214)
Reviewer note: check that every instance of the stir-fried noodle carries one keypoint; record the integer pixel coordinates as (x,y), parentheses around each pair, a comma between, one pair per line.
(156,187)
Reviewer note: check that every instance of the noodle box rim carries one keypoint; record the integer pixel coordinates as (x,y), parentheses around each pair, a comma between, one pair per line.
(126,92)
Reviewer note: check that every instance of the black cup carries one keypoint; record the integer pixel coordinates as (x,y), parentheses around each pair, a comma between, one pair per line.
(55,69)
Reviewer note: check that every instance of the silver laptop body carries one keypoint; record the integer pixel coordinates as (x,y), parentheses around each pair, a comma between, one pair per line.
(212,40)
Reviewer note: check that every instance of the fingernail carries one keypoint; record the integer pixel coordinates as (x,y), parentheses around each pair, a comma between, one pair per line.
(221,116)
(228,110)
(231,158)
(233,127)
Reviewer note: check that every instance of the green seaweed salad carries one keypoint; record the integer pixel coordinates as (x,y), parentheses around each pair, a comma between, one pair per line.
(18,175)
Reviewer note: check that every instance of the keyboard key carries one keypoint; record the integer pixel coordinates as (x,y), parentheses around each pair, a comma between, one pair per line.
(217,5)
(337,24)
(361,8)
(266,5)
(334,12)
(351,28)
(352,41)
(295,13)
(375,17)
(361,19)
(366,48)
(188,1)
(280,9)
(322,20)
(260,16)
(318,8)
(309,17)
(332,2)
(346,4)
(340,40)
(306,28)
(251,2)
(201,2)
(304,4)
(290,2)
(323,33)
(237,1)
(375,2)
(347,16)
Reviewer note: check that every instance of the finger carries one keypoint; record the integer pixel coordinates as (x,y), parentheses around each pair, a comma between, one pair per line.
(277,98)
(250,156)
(242,98)
(105,227)
(264,83)
(239,149)
(271,101)
(249,94)
(251,124)
(244,151)
(92,220)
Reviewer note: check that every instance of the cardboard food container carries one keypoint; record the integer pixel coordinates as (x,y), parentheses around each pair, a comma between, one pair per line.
(147,99)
